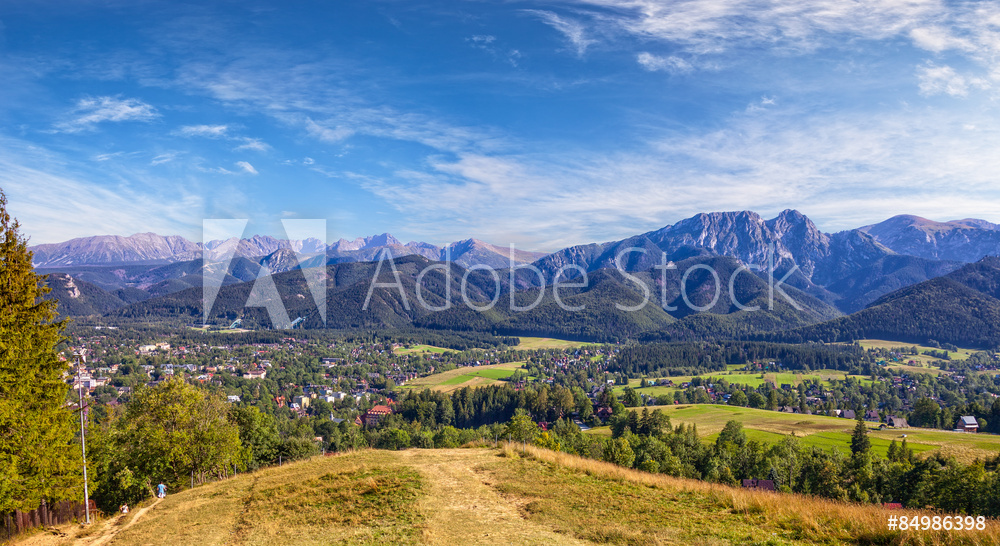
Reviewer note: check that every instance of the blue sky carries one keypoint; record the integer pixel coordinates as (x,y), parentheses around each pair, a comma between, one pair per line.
(543,124)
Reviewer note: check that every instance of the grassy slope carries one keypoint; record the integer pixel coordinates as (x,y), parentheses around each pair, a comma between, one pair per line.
(497,496)
(528,343)
(752,379)
(824,431)
(465,376)
(961,354)
(420,349)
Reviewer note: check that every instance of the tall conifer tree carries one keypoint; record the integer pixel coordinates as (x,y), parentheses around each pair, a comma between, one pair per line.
(38,456)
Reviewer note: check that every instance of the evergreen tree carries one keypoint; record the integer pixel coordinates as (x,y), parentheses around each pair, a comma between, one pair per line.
(38,456)
(893,454)
(860,443)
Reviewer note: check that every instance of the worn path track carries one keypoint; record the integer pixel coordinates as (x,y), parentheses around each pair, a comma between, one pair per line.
(462,509)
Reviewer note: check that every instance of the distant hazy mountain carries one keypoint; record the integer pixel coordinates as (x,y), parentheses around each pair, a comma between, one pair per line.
(959,240)
(375,241)
(149,265)
(152,249)
(114,249)
(260,245)
(474,252)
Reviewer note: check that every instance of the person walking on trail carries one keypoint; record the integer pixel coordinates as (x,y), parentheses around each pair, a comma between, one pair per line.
(161,490)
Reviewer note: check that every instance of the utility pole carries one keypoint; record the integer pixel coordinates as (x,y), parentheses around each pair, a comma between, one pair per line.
(83,444)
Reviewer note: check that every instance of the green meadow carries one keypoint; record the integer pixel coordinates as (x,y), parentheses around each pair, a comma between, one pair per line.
(419,349)
(823,431)
(750,379)
(465,376)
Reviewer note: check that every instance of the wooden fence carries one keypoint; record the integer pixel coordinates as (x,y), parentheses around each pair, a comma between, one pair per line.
(45,515)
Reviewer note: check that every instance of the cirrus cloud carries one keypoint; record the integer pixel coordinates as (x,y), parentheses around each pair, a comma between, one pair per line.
(89,111)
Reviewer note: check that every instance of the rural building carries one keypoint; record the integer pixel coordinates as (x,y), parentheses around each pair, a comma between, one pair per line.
(896,422)
(872,415)
(765,485)
(374,415)
(967,423)
(848,414)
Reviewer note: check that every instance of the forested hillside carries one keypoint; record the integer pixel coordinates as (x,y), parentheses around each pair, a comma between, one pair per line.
(959,308)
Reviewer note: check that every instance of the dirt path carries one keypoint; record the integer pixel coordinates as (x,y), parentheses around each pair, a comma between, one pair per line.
(103,532)
(462,509)
(459,505)
(110,531)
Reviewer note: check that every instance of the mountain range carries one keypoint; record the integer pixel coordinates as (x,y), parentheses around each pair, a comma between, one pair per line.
(830,274)
(153,249)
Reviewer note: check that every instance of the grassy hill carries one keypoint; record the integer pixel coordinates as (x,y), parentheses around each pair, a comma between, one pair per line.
(823,431)
(529,343)
(753,379)
(465,376)
(491,496)
(921,363)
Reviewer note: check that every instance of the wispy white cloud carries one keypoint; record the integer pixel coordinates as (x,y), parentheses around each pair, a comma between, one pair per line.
(252,144)
(671,64)
(573,30)
(165,157)
(936,80)
(326,133)
(327,101)
(712,27)
(223,132)
(938,39)
(73,205)
(488,43)
(206,131)
(845,170)
(761,105)
(708,26)
(246,167)
(90,111)
(112,155)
